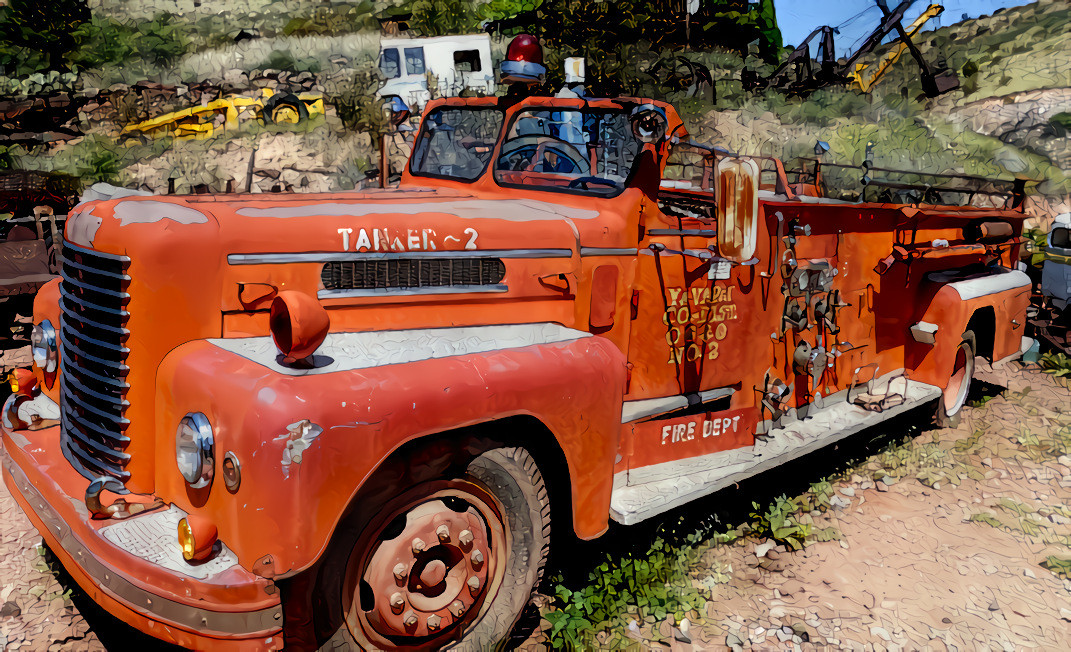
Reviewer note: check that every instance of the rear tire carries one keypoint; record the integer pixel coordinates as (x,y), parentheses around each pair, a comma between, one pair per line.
(498,506)
(955,393)
(285,109)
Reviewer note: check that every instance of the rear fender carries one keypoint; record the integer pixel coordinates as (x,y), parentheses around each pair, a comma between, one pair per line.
(381,391)
(998,300)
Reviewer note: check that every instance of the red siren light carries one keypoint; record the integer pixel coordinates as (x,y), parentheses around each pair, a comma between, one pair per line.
(524,61)
(525,48)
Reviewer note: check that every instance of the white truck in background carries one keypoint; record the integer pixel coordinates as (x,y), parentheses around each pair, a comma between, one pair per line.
(457,62)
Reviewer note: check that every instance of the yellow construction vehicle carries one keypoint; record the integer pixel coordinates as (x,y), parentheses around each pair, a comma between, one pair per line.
(883,64)
(208,120)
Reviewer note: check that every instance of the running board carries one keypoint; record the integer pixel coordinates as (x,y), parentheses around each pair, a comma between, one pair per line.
(642,493)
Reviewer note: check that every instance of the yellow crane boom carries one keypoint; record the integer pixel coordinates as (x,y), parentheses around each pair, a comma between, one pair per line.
(893,55)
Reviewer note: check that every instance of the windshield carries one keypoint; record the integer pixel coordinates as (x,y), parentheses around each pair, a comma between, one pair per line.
(456,143)
(586,151)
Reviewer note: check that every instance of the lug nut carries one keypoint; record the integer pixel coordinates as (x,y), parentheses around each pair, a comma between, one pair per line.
(443,532)
(434,621)
(410,619)
(418,546)
(457,608)
(477,557)
(465,538)
(474,584)
(401,571)
(397,603)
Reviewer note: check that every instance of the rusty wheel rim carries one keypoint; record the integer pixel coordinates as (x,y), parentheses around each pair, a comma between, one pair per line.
(426,568)
(955,394)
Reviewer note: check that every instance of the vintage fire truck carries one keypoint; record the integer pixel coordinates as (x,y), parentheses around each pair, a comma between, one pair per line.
(351,419)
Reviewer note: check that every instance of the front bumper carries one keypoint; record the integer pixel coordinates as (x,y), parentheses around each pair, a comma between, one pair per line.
(228,609)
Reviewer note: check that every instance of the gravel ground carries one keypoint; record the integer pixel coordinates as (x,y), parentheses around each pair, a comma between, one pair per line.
(945,557)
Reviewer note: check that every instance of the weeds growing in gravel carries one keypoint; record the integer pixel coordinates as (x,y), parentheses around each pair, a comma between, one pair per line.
(1056,364)
(649,585)
(663,580)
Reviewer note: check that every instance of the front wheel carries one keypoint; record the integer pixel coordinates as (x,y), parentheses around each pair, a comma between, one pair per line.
(450,562)
(954,396)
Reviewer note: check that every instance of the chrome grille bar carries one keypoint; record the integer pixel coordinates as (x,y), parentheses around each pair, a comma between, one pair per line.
(93,383)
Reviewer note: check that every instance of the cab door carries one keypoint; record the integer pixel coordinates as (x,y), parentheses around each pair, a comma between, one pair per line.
(691,343)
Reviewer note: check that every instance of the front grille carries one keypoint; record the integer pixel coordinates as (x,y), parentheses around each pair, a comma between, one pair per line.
(93,385)
(411,273)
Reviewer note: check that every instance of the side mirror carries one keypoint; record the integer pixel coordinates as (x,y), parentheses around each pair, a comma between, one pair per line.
(649,123)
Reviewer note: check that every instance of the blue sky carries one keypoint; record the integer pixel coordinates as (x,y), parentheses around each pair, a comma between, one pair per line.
(857,18)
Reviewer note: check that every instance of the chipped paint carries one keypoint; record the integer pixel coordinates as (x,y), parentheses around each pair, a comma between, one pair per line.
(149,211)
(41,408)
(513,210)
(364,350)
(300,436)
(82,227)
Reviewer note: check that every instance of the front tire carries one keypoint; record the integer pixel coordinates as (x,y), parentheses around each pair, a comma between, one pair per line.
(954,396)
(450,562)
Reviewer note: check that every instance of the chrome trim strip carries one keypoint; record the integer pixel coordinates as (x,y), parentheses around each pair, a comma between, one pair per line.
(101,361)
(649,407)
(85,320)
(703,233)
(399,292)
(202,621)
(709,395)
(67,244)
(71,398)
(330,257)
(646,407)
(606,251)
(94,306)
(90,270)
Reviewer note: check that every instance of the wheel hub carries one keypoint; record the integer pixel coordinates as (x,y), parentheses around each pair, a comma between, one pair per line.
(431,574)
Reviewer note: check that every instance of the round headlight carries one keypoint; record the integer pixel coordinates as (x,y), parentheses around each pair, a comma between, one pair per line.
(195,450)
(45,352)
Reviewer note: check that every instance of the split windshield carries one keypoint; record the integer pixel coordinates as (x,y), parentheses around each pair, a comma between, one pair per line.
(456,143)
(584,151)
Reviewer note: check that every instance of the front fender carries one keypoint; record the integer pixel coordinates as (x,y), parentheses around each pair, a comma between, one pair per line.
(379,391)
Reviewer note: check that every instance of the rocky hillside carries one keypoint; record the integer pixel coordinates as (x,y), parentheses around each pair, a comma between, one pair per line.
(1009,118)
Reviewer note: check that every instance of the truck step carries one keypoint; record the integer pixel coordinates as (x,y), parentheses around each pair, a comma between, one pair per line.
(642,493)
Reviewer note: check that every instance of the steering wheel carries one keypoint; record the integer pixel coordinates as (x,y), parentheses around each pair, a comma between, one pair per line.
(599,181)
(563,147)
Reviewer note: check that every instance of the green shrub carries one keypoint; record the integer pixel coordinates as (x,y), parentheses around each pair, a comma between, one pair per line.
(1057,364)
(779,521)
(106,42)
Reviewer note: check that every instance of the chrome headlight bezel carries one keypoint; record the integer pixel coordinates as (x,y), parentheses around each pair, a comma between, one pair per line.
(195,450)
(45,349)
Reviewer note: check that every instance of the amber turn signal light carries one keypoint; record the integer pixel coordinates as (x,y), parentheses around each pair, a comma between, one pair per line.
(197,536)
(22,381)
(298,324)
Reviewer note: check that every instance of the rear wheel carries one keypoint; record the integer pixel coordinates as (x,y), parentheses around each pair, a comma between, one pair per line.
(285,109)
(448,562)
(954,396)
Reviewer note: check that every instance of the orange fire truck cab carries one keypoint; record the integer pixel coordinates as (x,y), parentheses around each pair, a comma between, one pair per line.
(352,418)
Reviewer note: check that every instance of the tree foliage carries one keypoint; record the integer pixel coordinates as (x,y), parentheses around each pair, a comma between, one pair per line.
(442,17)
(609,35)
(102,41)
(43,30)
